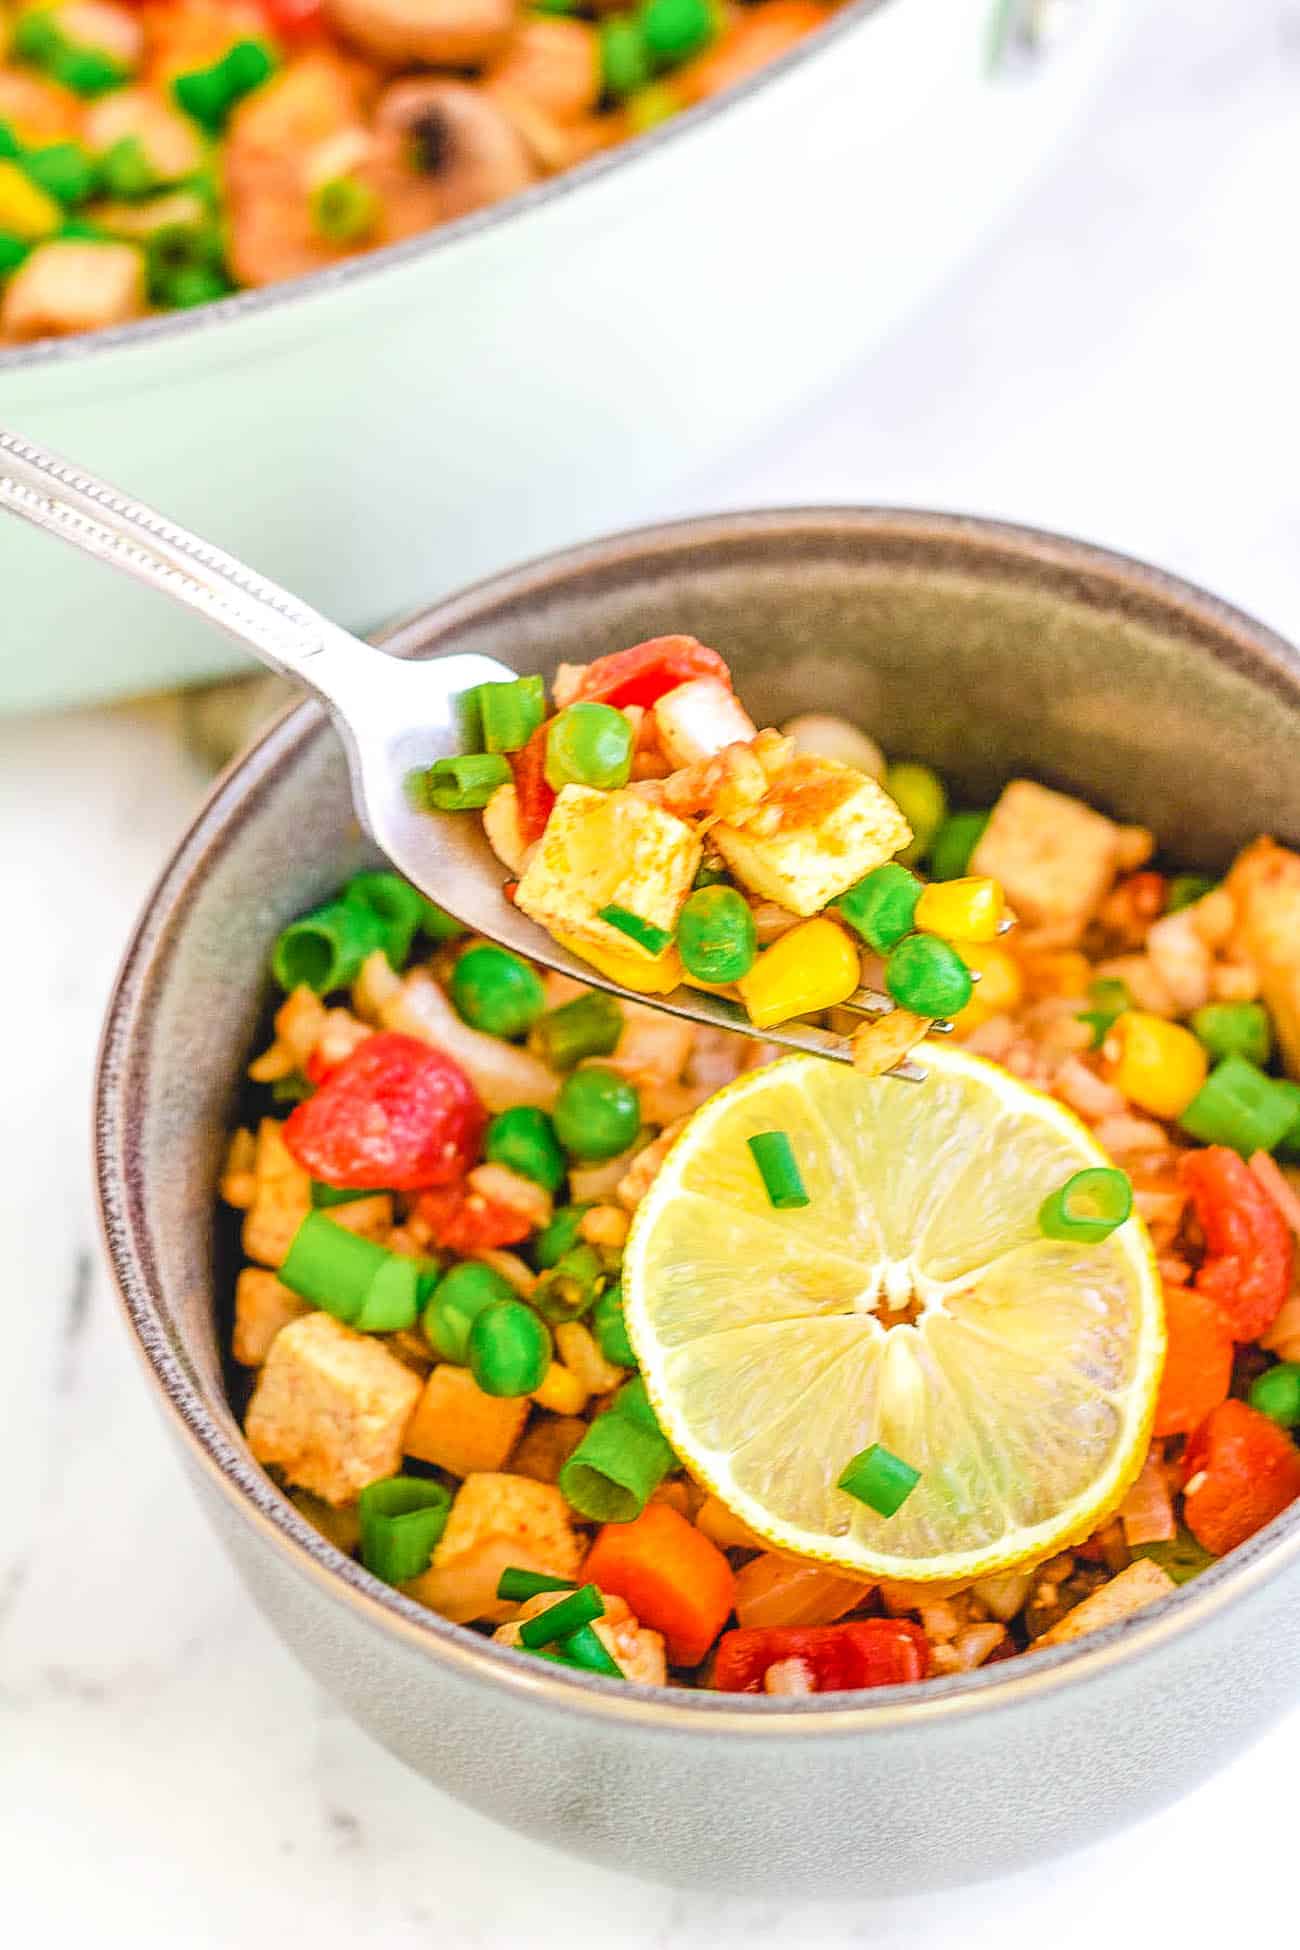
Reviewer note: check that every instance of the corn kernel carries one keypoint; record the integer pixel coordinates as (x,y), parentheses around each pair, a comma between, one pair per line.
(971,909)
(658,977)
(25,210)
(561,1391)
(1158,1065)
(1001,985)
(813,967)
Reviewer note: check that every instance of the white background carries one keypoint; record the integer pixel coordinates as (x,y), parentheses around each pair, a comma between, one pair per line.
(1119,363)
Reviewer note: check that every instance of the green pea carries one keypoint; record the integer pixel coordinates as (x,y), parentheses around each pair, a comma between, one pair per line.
(509,1349)
(919,794)
(881,906)
(716,936)
(523,1138)
(953,844)
(928,976)
(673,30)
(597,1113)
(496,991)
(589,744)
(624,57)
(610,1329)
(555,1240)
(460,1296)
(1276,1393)
(1235,1029)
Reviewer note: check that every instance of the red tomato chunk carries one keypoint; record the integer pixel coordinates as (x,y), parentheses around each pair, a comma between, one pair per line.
(1248,1249)
(648,671)
(464,1221)
(1240,1471)
(533,795)
(395,1116)
(837,1658)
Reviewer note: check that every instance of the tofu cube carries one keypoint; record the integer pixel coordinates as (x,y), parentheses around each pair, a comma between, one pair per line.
(821,827)
(497,1520)
(1140,1585)
(73,286)
(699,719)
(608,848)
(330,1408)
(281,1197)
(457,1426)
(1265,887)
(1055,857)
(262,1307)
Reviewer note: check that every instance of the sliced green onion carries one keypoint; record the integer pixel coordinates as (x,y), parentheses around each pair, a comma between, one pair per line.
(345,210)
(402,1519)
(463,784)
(633,1400)
(438,924)
(589,744)
(398,907)
(14,250)
(1234,1029)
(392,1302)
(324,1196)
(509,714)
(87,70)
(209,94)
(1276,1393)
(1240,1106)
(563,1617)
(880,1479)
(10,147)
(646,935)
(325,949)
(516,1586)
(1185,889)
(523,1138)
(1110,998)
(779,1170)
(590,1025)
(612,1473)
(610,1328)
(570,1286)
(291,1090)
(1088,1207)
(554,1240)
(584,1649)
(331,1267)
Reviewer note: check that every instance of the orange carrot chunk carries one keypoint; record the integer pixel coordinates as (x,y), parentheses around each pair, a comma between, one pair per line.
(1198,1362)
(672,1577)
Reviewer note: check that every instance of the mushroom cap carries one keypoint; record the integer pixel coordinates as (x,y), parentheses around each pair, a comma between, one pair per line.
(465,145)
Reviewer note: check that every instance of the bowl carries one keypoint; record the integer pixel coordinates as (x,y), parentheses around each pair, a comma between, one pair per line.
(986,650)
(387,430)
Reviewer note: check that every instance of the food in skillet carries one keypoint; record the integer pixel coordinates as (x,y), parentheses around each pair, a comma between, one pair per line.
(156,156)
(594,1330)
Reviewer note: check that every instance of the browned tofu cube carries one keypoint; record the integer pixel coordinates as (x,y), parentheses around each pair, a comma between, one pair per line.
(458,1427)
(72,286)
(281,1197)
(496,1521)
(330,1408)
(1055,857)
(1140,1585)
(263,1305)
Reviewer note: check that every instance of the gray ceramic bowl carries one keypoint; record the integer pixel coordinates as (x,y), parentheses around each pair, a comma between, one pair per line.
(987,650)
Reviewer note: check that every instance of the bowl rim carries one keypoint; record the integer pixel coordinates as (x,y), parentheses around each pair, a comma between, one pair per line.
(1228,634)
(166,326)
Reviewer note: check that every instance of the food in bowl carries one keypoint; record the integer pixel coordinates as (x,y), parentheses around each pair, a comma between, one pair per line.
(154,157)
(539,1333)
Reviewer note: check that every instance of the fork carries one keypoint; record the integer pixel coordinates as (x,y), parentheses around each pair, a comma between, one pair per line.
(394,718)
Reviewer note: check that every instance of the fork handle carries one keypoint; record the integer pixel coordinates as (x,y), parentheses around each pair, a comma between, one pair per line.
(88,514)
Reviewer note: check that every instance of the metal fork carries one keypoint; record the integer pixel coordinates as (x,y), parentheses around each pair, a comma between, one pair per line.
(394,717)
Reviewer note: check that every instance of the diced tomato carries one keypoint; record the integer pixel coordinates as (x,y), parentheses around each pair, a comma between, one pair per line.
(534,795)
(1240,1471)
(838,1658)
(395,1115)
(294,20)
(464,1221)
(1147,891)
(643,674)
(1247,1265)
(1198,1362)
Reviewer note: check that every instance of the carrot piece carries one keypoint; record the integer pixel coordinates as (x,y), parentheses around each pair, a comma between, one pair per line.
(672,1577)
(1240,1471)
(1198,1362)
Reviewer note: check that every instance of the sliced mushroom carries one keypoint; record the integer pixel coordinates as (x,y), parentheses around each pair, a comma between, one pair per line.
(443,33)
(459,140)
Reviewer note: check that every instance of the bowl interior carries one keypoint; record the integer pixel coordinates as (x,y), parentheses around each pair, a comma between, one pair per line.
(985,650)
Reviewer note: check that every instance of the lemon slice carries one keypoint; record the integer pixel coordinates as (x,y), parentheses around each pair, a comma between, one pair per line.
(913,1302)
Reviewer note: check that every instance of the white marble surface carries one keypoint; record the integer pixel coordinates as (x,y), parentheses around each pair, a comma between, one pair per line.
(1120,362)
